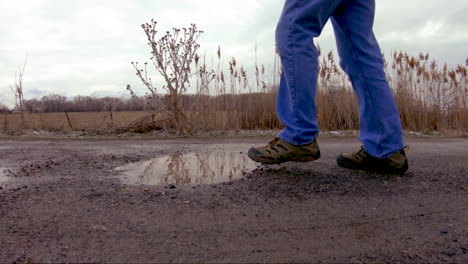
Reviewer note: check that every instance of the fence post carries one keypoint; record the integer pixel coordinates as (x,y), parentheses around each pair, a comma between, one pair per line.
(69,122)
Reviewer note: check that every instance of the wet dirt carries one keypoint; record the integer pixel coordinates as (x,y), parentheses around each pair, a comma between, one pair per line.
(66,202)
(191,168)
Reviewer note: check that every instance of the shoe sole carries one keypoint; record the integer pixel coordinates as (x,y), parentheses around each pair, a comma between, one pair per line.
(378,169)
(252,155)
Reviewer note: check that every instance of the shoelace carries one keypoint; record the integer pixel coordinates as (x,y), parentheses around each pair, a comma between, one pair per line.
(273,144)
(360,154)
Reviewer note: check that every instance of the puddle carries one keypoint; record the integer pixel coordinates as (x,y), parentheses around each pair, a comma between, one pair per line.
(192,168)
(3,175)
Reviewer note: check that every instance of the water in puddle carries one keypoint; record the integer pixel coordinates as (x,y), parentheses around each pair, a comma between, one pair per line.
(193,168)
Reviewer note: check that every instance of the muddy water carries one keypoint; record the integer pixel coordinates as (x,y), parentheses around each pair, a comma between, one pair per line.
(192,168)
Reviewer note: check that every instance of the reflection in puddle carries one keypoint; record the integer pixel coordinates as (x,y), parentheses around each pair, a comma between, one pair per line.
(192,168)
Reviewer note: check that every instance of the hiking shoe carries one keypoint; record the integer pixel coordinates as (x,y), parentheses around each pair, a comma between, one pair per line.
(278,151)
(397,163)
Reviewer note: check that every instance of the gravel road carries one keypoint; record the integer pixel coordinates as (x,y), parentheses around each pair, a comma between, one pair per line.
(65,201)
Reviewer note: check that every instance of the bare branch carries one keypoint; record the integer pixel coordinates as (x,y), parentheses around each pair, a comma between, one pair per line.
(172,57)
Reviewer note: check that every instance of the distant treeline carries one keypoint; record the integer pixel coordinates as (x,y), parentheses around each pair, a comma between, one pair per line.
(59,103)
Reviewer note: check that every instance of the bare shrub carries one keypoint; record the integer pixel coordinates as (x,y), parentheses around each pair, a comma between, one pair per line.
(172,56)
(17,90)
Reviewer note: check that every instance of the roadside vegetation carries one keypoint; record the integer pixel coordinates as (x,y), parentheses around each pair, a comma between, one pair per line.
(430,96)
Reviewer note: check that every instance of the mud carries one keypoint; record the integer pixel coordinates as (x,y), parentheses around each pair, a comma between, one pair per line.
(65,201)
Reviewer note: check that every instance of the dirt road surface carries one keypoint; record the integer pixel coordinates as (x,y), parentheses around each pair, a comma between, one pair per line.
(65,201)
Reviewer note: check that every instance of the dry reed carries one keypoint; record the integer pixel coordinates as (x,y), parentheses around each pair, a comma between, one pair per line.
(429,97)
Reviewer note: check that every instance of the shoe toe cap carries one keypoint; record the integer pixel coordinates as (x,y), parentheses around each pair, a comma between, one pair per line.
(254,152)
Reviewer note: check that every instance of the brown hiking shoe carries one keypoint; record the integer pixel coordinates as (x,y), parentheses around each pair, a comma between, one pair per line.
(397,163)
(278,151)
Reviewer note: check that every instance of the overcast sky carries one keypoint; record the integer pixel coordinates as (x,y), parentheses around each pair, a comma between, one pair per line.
(84,47)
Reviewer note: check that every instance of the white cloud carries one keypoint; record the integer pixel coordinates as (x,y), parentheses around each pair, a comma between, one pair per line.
(430,29)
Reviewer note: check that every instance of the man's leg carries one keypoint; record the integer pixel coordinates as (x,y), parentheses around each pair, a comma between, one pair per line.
(361,59)
(300,22)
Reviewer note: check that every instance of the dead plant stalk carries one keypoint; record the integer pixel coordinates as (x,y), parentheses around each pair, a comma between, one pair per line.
(172,56)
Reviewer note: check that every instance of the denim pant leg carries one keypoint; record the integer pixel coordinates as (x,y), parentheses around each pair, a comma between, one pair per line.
(300,22)
(361,59)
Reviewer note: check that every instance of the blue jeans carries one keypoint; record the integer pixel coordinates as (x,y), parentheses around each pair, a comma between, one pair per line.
(360,57)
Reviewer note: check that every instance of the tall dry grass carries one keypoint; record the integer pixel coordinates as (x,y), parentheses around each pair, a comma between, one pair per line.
(430,97)
(233,97)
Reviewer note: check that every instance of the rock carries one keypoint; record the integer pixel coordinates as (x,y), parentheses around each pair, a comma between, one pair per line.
(99,228)
(95,195)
